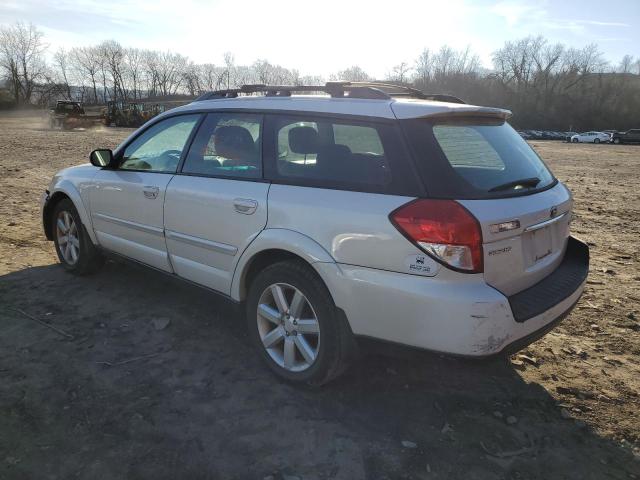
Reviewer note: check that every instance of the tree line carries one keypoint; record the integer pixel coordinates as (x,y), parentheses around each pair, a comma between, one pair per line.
(547,85)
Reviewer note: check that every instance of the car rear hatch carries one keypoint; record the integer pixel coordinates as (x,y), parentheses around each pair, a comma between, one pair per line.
(524,238)
(477,159)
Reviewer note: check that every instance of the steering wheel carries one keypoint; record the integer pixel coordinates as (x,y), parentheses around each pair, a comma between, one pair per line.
(170,158)
(172,153)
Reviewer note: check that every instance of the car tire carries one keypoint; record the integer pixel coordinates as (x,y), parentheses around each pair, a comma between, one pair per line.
(617,141)
(74,247)
(310,358)
(596,140)
(575,140)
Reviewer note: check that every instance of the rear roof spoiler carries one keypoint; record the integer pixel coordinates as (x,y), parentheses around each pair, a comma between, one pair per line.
(407,110)
(496,113)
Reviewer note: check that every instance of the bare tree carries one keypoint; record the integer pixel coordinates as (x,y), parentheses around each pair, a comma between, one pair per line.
(626,64)
(169,72)
(151,65)
(133,59)
(61,64)
(263,72)
(352,74)
(22,59)
(424,67)
(113,55)
(191,79)
(229,72)
(400,73)
(86,64)
(210,76)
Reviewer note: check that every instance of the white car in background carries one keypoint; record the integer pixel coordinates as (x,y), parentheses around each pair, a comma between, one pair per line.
(591,137)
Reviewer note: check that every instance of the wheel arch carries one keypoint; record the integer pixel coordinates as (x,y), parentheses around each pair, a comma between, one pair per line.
(272,246)
(66,190)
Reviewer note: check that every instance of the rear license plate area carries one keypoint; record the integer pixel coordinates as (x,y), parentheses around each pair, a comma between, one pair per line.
(541,244)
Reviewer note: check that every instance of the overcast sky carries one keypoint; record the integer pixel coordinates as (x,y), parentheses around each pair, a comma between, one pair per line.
(321,37)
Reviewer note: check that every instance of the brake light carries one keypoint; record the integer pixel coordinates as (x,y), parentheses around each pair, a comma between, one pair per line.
(443,229)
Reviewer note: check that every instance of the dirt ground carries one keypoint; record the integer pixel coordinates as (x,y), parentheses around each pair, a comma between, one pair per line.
(112,394)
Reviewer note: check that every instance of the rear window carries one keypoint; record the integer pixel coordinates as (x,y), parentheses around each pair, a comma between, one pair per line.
(476,158)
(465,146)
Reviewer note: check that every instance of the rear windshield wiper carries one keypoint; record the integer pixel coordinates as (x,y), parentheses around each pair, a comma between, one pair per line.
(525,182)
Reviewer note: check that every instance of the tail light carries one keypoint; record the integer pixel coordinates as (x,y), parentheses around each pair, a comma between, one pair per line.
(443,229)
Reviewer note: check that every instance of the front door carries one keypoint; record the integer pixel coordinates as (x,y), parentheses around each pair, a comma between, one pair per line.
(127,203)
(217,204)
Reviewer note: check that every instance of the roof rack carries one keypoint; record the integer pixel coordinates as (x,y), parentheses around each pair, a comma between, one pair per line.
(339,89)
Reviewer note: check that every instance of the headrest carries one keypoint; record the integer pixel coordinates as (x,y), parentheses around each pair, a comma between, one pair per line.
(233,142)
(304,140)
(333,155)
(337,150)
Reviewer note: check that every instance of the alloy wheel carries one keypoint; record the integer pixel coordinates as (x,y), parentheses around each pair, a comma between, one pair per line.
(288,327)
(67,237)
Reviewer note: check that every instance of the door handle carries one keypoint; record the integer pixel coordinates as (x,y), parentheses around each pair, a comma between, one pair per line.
(150,191)
(245,206)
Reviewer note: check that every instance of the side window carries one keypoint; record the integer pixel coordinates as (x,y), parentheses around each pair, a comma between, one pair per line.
(159,148)
(334,152)
(227,144)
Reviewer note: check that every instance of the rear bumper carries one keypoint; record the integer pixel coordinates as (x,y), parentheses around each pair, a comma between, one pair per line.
(455,313)
(554,288)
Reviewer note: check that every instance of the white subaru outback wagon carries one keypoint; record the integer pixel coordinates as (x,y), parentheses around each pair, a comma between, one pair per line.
(361,210)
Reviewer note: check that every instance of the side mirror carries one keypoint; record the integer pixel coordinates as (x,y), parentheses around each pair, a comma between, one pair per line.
(101,158)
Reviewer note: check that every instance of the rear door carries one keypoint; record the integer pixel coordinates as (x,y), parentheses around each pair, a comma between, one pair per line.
(336,179)
(127,203)
(487,167)
(217,204)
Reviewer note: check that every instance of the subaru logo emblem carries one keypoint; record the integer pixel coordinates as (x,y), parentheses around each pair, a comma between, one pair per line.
(553,212)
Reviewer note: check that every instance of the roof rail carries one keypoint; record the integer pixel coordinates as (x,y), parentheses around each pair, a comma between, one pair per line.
(336,89)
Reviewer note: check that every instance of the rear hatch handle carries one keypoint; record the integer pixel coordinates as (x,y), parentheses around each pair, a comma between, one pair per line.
(540,225)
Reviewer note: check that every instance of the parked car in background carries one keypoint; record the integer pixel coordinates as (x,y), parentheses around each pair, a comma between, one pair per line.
(412,220)
(524,135)
(534,134)
(591,137)
(557,135)
(630,136)
(568,135)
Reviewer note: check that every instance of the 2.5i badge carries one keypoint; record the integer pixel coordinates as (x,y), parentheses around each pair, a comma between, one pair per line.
(421,265)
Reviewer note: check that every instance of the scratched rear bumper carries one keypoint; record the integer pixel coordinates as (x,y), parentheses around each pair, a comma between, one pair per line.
(452,313)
